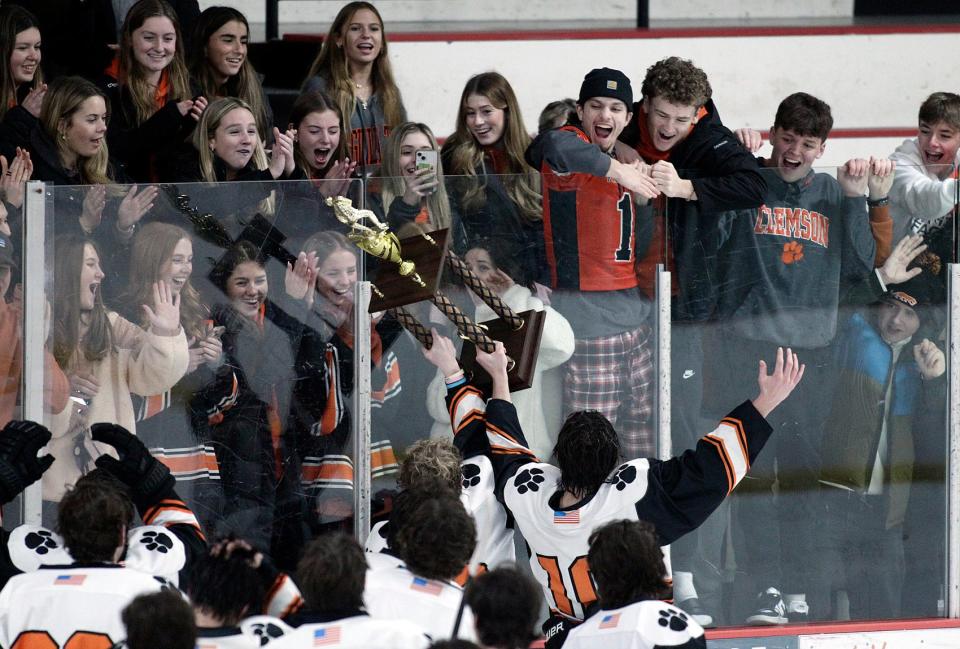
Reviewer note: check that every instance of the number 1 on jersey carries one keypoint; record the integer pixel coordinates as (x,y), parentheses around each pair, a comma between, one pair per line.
(625,208)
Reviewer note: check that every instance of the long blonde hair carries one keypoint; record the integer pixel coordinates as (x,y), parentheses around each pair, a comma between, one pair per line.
(465,154)
(207,128)
(245,84)
(132,73)
(332,64)
(152,248)
(438,205)
(13,20)
(63,100)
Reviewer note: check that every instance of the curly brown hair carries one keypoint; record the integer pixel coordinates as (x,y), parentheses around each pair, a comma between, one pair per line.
(678,81)
(620,582)
(436,458)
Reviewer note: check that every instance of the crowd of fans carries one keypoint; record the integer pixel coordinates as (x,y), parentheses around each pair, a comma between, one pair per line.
(200,342)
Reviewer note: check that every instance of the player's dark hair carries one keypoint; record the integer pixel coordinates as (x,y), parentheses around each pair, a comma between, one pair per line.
(587,450)
(406,502)
(456,643)
(332,573)
(941,107)
(226,587)
(431,458)
(678,81)
(621,582)
(438,537)
(93,516)
(805,115)
(506,605)
(159,621)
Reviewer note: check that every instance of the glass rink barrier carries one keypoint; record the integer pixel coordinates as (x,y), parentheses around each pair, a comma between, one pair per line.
(841,513)
(265,340)
(191,315)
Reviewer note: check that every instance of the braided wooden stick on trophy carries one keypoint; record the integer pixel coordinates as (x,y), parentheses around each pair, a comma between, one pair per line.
(419,258)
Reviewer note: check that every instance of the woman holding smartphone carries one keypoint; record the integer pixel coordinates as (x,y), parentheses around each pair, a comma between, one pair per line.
(413,188)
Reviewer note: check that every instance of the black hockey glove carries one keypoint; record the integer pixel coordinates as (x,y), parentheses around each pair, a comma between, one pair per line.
(145,475)
(19,465)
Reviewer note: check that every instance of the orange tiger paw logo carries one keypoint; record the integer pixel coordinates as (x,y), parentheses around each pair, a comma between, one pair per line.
(792,252)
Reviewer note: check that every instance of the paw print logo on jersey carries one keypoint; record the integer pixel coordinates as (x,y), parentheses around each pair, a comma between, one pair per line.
(157,542)
(41,541)
(266,632)
(528,480)
(673,618)
(792,252)
(624,476)
(166,585)
(470,474)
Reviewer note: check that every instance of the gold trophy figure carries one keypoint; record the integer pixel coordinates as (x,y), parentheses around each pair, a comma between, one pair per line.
(375,238)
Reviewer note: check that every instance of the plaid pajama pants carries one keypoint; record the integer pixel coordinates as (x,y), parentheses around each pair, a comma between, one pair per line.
(614,375)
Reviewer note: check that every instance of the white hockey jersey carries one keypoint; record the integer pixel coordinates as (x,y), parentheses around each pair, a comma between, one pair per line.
(676,495)
(70,607)
(644,625)
(398,594)
(358,632)
(254,632)
(494,538)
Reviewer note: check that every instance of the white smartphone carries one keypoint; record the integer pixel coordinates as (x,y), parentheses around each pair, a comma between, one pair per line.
(426,159)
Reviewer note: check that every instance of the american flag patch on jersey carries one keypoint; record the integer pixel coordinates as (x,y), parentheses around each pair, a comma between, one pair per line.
(566,518)
(609,621)
(69,580)
(330,635)
(426,586)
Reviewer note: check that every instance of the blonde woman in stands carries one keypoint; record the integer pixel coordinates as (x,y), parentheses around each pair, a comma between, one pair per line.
(149,89)
(497,194)
(410,194)
(354,69)
(219,66)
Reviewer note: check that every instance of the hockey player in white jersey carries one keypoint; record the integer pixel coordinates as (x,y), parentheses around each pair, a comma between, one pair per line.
(332,574)
(632,614)
(76,588)
(556,508)
(472,478)
(78,603)
(229,588)
(435,538)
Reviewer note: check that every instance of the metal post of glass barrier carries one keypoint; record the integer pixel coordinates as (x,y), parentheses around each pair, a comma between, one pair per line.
(662,358)
(953,460)
(360,411)
(34,325)
(662,333)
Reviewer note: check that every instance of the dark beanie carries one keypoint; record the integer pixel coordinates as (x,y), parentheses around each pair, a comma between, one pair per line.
(606,82)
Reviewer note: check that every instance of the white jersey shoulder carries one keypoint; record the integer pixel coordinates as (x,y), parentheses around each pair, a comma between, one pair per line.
(558,539)
(494,539)
(253,632)
(644,625)
(398,594)
(63,602)
(150,548)
(360,632)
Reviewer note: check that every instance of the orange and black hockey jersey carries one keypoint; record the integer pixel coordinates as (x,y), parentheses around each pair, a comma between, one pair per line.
(589,221)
